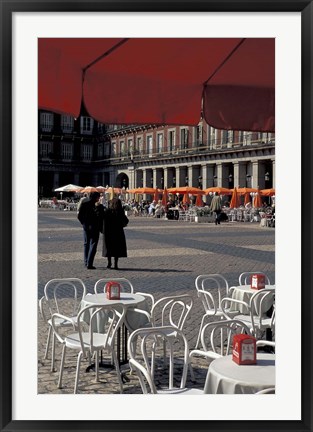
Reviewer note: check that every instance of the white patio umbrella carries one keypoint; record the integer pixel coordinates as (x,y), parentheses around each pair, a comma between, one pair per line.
(69,188)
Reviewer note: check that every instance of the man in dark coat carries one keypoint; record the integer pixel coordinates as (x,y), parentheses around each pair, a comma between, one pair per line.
(89,218)
(114,241)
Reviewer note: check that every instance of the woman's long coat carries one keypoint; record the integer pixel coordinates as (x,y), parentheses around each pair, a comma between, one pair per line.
(114,241)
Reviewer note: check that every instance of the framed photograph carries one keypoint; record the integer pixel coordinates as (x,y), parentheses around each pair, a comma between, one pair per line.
(22,24)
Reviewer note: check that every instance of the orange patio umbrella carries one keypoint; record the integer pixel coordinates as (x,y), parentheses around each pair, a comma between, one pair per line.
(144,190)
(235,199)
(245,190)
(186,190)
(186,199)
(113,190)
(199,201)
(267,192)
(164,197)
(247,198)
(257,202)
(89,189)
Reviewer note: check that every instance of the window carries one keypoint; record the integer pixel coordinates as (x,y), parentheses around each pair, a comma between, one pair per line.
(86,125)
(87,152)
(67,123)
(230,136)
(45,148)
(184,138)
(46,122)
(100,150)
(246,138)
(140,145)
(199,134)
(122,148)
(149,145)
(113,148)
(159,143)
(213,137)
(66,150)
(171,140)
(130,145)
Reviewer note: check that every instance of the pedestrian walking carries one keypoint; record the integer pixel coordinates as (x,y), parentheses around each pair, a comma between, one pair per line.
(114,241)
(216,206)
(89,217)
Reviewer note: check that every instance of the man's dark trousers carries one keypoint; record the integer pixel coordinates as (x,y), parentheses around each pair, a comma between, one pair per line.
(91,238)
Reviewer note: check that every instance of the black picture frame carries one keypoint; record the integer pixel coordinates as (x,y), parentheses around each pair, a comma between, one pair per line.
(8,7)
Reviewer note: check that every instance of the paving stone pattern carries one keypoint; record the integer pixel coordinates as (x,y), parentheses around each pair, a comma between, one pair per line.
(164,258)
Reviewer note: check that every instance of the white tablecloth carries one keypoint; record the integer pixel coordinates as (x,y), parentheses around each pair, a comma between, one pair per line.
(133,319)
(244,293)
(227,377)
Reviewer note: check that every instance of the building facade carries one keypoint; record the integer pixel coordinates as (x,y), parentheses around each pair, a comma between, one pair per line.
(85,152)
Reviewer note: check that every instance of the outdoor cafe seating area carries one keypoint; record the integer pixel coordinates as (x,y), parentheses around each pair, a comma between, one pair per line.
(187,204)
(136,335)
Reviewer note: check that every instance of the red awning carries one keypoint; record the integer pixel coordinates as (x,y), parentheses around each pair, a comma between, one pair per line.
(161,81)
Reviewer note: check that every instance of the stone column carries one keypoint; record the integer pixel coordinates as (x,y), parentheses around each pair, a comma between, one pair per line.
(219,173)
(144,177)
(239,174)
(165,177)
(154,176)
(191,177)
(255,174)
(131,177)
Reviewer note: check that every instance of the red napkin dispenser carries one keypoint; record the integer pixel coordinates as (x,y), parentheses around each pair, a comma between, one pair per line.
(113,290)
(244,349)
(257,281)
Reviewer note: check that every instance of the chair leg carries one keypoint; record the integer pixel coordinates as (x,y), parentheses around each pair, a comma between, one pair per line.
(48,342)
(171,367)
(97,366)
(62,366)
(53,353)
(199,335)
(192,375)
(118,371)
(77,371)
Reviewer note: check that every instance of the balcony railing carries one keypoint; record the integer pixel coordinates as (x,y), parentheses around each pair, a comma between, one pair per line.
(195,148)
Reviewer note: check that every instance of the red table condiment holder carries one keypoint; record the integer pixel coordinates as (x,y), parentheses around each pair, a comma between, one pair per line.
(244,349)
(257,281)
(113,290)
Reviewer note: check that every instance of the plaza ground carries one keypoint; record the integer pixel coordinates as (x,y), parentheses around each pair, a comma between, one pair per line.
(164,258)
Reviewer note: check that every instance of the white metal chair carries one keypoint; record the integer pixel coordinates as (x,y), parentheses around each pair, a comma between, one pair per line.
(245,278)
(99,337)
(216,339)
(142,362)
(211,288)
(256,317)
(126,285)
(63,296)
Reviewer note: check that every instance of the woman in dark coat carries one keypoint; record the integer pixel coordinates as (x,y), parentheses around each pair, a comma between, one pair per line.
(114,242)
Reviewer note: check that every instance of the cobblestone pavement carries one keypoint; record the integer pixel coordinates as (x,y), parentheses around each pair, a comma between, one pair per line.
(164,258)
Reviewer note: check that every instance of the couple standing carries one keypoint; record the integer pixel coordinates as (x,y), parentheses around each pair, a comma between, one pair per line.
(111,222)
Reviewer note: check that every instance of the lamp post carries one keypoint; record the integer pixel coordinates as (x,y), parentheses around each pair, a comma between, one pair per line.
(151,182)
(186,181)
(248,178)
(174,181)
(200,182)
(267,179)
(215,180)
(162,183)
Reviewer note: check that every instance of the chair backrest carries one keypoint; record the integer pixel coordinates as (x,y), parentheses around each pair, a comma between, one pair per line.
(218,336)
(64,295)
(98,322)
(260,304)
(171,311)
(140,360)
(126,285)
(211,288)
(245,278)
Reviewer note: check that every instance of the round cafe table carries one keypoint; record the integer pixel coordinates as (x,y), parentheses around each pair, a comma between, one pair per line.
(132,320)
(227,377)
(244,293)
